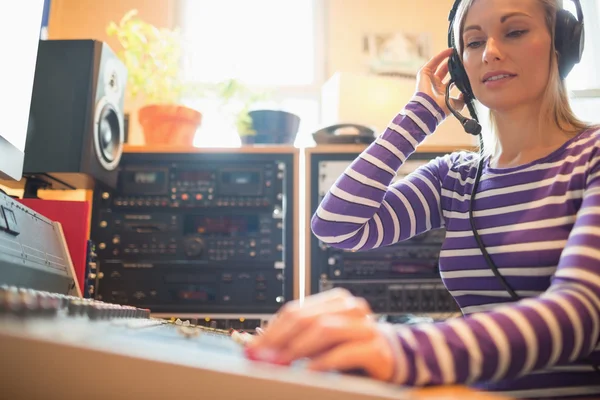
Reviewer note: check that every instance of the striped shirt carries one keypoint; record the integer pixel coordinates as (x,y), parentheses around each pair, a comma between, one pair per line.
(540,223)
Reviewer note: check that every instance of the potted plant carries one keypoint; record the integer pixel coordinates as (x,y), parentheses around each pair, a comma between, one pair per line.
(153,59)
(236,100)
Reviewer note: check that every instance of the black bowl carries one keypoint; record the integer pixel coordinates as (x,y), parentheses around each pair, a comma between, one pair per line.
(274,126)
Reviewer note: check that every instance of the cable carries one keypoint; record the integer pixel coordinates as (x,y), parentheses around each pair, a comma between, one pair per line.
(472,126)
(486,255)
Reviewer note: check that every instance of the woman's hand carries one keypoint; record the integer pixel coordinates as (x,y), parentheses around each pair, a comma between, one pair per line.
(431,80)
(333,329)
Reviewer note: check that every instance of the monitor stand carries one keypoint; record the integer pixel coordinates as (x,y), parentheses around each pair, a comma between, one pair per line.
(32,185)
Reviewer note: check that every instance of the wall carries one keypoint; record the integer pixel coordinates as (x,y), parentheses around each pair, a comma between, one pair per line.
(346,23)
(349,20)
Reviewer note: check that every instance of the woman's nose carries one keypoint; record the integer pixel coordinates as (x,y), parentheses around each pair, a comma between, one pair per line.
(492,51)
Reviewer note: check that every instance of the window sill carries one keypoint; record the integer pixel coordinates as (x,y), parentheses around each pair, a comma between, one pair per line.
(585,94)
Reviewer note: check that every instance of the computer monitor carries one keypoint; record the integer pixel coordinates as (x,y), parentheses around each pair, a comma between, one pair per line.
(20,26)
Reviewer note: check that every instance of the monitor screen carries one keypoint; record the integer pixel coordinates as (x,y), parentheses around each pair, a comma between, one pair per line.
(20,26)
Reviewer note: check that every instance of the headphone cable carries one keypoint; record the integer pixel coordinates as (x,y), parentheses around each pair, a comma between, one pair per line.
(478,239)
(472,126)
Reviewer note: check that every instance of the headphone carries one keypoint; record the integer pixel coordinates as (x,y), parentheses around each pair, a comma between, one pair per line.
(569,40)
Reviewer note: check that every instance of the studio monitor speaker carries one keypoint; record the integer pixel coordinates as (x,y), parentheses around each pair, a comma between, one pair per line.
(76,130)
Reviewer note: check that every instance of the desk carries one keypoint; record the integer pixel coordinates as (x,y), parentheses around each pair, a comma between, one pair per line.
(97,360)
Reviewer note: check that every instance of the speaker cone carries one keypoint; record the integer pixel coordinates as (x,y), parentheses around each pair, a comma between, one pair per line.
(108,133)
(108,138)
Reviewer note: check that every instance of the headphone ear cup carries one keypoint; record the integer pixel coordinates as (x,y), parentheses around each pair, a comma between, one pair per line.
(568,41)
(459,75)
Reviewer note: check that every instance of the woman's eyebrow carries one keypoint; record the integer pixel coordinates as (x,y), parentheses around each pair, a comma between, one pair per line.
(502,20)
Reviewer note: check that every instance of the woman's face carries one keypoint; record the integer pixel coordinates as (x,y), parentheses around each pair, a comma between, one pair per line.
(507,52)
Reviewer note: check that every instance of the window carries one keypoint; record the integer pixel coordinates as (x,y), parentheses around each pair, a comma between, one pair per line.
(584,80)
(269,45)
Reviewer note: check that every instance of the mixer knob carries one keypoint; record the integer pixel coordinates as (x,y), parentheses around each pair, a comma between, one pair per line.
(333,260)
(76,307)
(95,311)
(29,300)
(48,304)
(194,246)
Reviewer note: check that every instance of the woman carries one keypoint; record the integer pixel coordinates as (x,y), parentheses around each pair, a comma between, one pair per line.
(537,211)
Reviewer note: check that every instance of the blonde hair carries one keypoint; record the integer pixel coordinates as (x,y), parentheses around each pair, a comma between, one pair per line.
(555,104)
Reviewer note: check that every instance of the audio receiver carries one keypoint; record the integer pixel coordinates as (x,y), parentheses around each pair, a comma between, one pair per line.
(398,279)
(206,232)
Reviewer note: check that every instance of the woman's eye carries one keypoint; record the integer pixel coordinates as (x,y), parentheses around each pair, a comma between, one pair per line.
(475,44)
(515,34)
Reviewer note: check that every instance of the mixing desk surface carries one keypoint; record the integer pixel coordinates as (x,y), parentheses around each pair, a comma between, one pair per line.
(61,347)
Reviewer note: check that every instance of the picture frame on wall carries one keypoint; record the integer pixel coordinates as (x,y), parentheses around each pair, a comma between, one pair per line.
(398,53)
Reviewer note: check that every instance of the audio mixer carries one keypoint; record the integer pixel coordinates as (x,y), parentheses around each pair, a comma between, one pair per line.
(61,347)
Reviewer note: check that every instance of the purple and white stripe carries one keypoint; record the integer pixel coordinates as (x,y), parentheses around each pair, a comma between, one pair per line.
(541,225)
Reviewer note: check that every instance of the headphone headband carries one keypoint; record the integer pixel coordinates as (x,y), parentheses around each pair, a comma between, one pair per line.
(454,10)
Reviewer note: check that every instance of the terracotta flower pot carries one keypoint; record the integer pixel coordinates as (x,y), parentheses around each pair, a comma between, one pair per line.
(170,124)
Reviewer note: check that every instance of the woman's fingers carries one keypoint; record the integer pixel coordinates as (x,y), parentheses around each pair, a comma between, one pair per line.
(294,319)
(291,324)
(435,61)
(442,71)
(294,307)
(326,333)
(374,356)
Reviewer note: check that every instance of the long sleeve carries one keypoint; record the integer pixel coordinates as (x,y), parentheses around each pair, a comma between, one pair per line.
(363,210)
(557,328)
